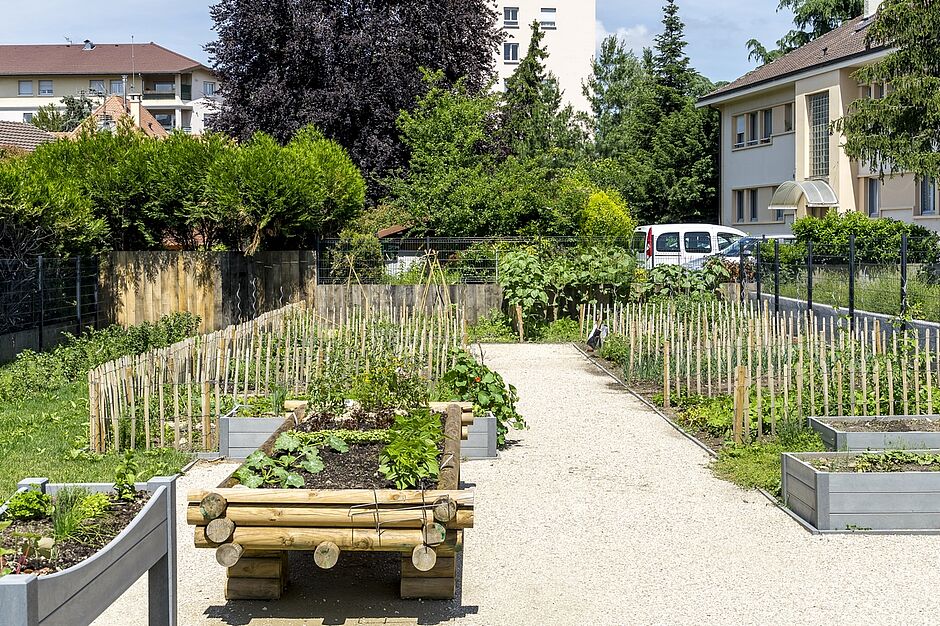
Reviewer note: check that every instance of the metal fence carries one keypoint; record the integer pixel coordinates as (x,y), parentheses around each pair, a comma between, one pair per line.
(877,277)
(42,292)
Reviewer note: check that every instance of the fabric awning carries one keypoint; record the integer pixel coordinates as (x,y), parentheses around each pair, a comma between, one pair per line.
(817,193)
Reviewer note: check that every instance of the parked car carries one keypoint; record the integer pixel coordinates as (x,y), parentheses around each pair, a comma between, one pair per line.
(678,244)
(746,246)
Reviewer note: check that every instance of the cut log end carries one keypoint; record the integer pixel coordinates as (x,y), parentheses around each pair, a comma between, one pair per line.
(228,554)
(212,506)
(423,558)
(326,555)
(220,530)
(445,510)
(434,534)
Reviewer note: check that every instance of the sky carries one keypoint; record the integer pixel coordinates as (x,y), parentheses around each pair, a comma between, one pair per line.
(716,30)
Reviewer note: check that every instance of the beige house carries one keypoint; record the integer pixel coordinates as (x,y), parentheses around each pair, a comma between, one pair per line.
(779,160)
(177,90)
(570,38)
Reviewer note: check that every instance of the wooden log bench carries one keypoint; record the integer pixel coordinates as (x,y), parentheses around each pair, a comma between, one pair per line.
(252,530)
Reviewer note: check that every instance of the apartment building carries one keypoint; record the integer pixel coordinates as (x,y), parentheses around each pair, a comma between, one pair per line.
(779,160)
(570,33)
(177,90)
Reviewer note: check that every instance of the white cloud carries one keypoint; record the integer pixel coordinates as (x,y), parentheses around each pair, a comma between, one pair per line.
(634,37)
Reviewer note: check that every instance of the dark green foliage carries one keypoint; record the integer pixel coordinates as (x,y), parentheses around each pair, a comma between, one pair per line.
(473,381)
(36,372)
(390,384)
(900,132)
(73,510)
(410,457)
(348,67)
(494,327)
(672,281)
(357,256)
(564,330)
(877,241)
(28,505)
(613,91)
(812,18)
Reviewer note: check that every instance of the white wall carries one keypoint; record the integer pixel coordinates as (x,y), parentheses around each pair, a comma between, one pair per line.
(571,45)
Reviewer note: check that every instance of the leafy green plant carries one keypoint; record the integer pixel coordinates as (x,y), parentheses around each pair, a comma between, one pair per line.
(390,383)
(73,508)
(30,504)
(493,327)
(564,330)
(410,456)
(293,450)
(125,477)
(473,381)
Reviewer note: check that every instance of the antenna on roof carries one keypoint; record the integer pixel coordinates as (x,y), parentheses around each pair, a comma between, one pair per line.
(68,40)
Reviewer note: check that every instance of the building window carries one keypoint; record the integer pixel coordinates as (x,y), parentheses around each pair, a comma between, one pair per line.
(45,88)
(25,88)
(788,117)
(768,126)
(753,204)
(778,213)
(511,17)
(164,119)
(753,121)
(164,87)
(874,197)
(96,87)
(547,19)
(511,52)
(208,88)
(739,131)
(117,87)
(819,135)
(27,118)
(739,204)
(928,196)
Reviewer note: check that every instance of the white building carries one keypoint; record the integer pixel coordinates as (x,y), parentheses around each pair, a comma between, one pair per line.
(780,158)
(176,89)
(570,33)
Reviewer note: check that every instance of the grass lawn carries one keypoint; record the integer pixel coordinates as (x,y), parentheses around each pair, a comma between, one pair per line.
(46,435)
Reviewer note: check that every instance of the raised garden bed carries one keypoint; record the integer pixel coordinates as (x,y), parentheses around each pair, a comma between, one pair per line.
(840,490)
(856,434)
(346,506)
(78,593)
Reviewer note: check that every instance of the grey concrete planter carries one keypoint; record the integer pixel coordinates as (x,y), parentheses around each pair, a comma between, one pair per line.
(852,441)
(860,501)
(82,592)
(481,444)
(240,436)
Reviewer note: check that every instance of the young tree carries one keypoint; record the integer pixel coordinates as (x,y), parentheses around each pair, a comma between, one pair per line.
(349,67)
(812,18)
(534,121)
(48,117)
(900,132)
(613,91)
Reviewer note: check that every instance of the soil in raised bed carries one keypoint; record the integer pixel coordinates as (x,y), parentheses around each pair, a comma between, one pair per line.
(353,420)
(887,426)
(71,551)
(852,465)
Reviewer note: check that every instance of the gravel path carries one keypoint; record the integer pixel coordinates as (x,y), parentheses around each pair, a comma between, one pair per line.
(599,514)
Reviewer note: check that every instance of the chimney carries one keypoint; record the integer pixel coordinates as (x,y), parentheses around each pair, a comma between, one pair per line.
(88,45)
(871,7)
(133,103)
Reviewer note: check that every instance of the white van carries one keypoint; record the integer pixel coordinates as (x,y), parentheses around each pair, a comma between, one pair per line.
(678,244)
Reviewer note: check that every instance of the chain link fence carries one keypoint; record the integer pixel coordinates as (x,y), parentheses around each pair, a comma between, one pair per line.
(43,293)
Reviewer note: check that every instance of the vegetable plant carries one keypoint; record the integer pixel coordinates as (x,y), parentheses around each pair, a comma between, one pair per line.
(411,454)
(473,381)
(125,477)
(28,505)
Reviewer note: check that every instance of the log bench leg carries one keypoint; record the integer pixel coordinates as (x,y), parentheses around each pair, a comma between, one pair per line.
(439,583)
(257,576)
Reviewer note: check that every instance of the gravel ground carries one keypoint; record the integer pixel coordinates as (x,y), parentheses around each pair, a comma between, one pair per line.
(600,513)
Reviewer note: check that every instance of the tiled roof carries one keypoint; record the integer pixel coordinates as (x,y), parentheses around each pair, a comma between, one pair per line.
(20,135)
(841,44)
(105,58)
(114,108)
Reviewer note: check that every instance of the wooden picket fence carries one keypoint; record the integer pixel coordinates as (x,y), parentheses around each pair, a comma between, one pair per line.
(792,365)
(174,396)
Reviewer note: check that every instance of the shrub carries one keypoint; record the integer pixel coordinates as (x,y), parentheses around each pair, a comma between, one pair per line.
(607,218)
(877,241)
(494,327)
(357,256)
(564,330)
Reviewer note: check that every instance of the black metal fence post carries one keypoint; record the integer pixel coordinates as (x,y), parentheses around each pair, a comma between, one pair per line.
(78,294)
(904,278)
(757,275)
(852,280)
(741,275)
(42,299)
(809,276)
(776,276)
